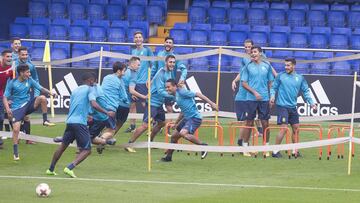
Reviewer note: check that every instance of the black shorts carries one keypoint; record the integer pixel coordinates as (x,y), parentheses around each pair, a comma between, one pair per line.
(78,132)
(20,113)
(122,114)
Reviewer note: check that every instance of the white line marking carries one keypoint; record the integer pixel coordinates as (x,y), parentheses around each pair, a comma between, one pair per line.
(182,183)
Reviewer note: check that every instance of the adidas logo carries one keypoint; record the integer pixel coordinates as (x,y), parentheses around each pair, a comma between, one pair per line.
(193,86)
(64,89)
(324,107)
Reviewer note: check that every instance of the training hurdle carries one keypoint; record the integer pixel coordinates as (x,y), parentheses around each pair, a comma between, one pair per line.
(340,133)
(287,136)
(353,146)
(309,128)
(233,126)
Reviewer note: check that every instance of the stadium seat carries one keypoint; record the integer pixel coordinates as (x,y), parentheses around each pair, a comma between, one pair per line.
(197,15)
(319,7)
(202,26)
(237,16)
(130,33)
(135,13)
(18,30)
(223,27)
(322,30)
(101,23)
(300,6)
(121,49)
(198,37)
(76,53)
(285,29)
(321,68)
(82,23)
(184,50)
(161,3)
(336,18)
(216,15)
(97,34)
(139,2)
(119,2)
(339,7)
(338,41)
(224,66)
(296,18)
(280,67)
(201,3)
(57,10)
(256,16)
(244,28)
(342,30)
(37,31)
(116,35)
(355,41)
(179,35)
(95,62)
(277,5)
(304,30)
(342,68)
(259,38)
(276,17)
(155,14)
(120,23)
(298,40)
(81,1)
(240,4)
(76,11)
(316,18)
(65,46)
(95,11)
(356,31)
(318,41)
(261,28)
(77,33)
(199,64)
(37,54)
(303,54)
(59,54)
(23,20)
(218,38)
(82,46)
(103,2)
(221,4)
(354,19)
(184,26)
(355,7)
(42,21)
(237,38)
(264,5)
(141,25)
(278,39)
(63,22)
(115,12)
(57,32)
(37,9)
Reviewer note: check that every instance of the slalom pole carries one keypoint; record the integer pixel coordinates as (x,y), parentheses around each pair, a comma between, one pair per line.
(47,59)
(352,123)
(218,92)
(100,64)
(149,119)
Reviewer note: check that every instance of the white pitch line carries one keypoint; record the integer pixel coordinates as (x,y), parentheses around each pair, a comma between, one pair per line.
(182,183)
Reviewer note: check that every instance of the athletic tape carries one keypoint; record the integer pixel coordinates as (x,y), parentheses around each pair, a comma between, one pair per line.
(355,140)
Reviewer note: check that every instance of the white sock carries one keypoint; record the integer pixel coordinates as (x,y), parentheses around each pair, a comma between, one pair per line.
(245,144)
(275,152)
(267,144)
(294,151)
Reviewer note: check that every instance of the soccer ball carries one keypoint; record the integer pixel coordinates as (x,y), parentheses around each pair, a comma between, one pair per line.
(43,190)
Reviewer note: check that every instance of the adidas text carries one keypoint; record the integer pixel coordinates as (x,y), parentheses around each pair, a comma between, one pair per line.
(321,110)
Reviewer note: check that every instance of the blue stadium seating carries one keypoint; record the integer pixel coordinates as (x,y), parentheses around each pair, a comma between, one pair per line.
(256,16)
(57,10)
(58,32)
(316,18)
(139,2)
(97,34)
(285,29)
(296,18)
(322,30)
(76,53)
(319,7)
(119,49)
(298,40)
(141,25)
(280,67)
(303,55)
(259,38)
(119,2)
(354,19)
(201,3)
(37,9)
(224,66)
(104,2)
(202,26)
(63,22)
(76,11)
(222,4)
(338,41)
(81,1)
(304,30)
(101,23)
(199,64)
(37,54)
(83,23)
(86,47)
(198,37)
(336,18)
(300,6)
(244,28)
(135,13)
(355,41)
(38,31)
(179,35)
(115,12)
(65,46)
(342,68)
(116,35)
(42,21)
(216,15)
(130,33)
(339,7)
(197,14)
(18,30)
(77,33)
(261,28)
(321,68)
(120,23)
(59,54)
(277,5)
(95,11)
(237,15)
(355,7)
(184,26)
(161,3)
(318,41)
(342,30)
(218,38)
(223,27)
(276,17)
(278,39)
(237,38)
(23,20)
(154,14)
(263,5)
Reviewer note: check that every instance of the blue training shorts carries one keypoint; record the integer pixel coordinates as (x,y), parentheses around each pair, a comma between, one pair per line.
(261,107)
(78,132)
(191,125)
(96,126)
(122,114)
(157,114)
(287,115)
(240,110)
(20,113)
(142,89)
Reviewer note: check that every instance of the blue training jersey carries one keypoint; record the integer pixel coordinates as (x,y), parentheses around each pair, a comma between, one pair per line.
(98,96)
(158,92)
(79,105)
(258,77)
(114,91)
(129,79)
(287,86)
(161,64)
(144,65)
(19,92)
(185,99)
